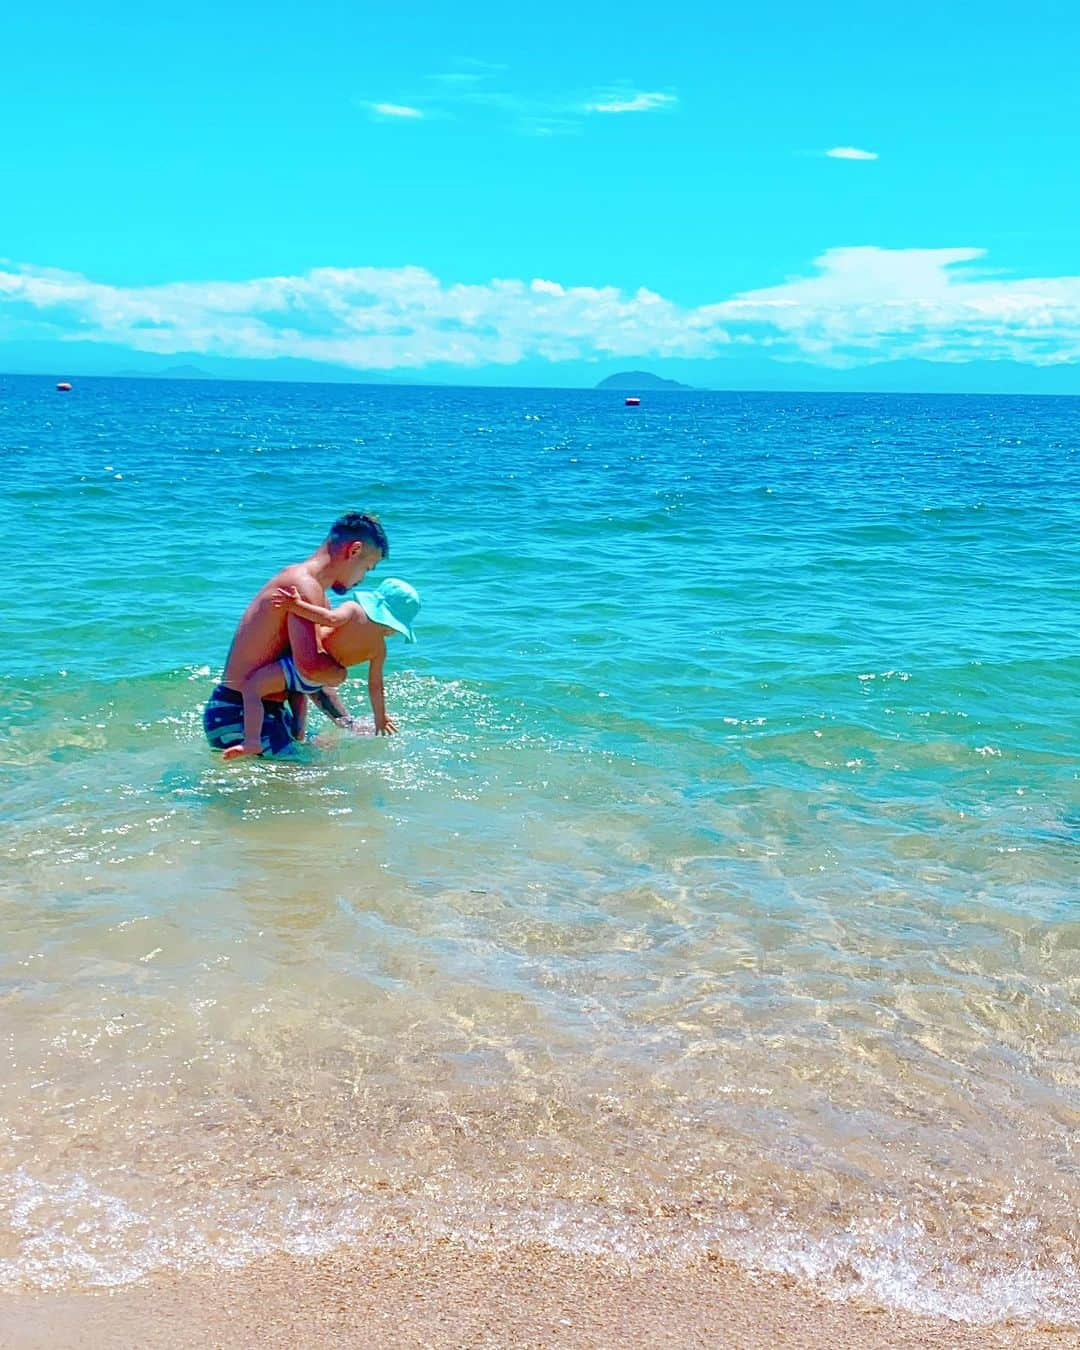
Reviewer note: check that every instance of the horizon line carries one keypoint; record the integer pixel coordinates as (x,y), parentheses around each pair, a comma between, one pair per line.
(536,388)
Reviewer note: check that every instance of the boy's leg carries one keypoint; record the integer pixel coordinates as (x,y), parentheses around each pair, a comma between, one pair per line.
(268,679)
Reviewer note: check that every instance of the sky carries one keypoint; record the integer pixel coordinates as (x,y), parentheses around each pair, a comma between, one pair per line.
(493,193)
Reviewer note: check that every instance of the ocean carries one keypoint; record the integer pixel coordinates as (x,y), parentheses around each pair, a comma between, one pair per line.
(719,893)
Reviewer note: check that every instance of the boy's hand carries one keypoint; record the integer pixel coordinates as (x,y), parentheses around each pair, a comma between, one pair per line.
(385,726)
(285,597)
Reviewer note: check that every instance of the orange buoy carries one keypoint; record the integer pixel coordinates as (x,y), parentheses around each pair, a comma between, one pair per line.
(63,386)
(632,402)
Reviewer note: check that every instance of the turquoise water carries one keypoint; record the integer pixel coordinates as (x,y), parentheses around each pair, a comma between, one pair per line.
(720,891)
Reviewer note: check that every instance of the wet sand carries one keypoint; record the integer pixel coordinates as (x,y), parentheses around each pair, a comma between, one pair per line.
(446,1295)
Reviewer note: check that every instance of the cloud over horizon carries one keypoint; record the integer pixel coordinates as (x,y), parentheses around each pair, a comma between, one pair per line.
(859,305)
(850,152)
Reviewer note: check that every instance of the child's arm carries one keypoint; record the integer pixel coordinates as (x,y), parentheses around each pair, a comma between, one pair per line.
(289,598)
(384,726)
(268,679)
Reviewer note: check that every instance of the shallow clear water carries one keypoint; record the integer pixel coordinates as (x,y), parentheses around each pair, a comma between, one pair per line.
(721,890)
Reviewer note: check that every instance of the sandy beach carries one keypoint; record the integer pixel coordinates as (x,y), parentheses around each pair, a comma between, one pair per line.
(447,1295)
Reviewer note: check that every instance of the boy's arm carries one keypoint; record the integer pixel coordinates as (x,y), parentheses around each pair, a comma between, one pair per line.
(313,664)
(298,707)
(384,726)
(290,598)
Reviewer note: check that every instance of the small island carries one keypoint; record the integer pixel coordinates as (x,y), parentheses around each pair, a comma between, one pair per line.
(639,379)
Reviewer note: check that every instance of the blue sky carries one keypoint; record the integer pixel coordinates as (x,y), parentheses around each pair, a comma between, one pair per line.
(405,157)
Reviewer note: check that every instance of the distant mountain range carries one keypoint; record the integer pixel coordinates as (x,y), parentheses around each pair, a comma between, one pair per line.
(736,370)
(169,373)
(639,379)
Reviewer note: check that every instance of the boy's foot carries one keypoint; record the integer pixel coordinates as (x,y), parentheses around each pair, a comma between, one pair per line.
(236,751)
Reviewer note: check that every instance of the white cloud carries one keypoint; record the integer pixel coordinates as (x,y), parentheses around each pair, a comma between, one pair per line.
(476,92)
(850,152)
(368,318)
(628,103)
(873,304)
(395,110)
(858,305)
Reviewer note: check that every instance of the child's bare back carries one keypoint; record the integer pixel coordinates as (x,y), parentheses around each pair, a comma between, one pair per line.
(356,640)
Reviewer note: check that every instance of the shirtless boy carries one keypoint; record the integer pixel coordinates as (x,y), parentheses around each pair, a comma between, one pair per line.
(353,634)
(267,632)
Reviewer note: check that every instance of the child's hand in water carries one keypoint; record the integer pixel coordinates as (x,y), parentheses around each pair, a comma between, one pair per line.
(285,597)
(386,727)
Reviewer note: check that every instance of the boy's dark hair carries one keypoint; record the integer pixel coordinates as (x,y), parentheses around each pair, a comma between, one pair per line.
(361,527)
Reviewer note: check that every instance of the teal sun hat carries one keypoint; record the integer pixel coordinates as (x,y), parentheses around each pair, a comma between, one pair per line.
(393,603)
